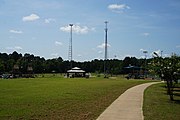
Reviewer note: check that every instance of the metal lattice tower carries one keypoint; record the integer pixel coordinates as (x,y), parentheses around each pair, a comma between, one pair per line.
(105,57)
(70,47)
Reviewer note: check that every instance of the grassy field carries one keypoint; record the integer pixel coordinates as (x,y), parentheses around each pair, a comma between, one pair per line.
(59,98)
(157,105)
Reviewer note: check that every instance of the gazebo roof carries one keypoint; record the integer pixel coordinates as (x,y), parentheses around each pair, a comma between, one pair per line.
(76,70)
(133,67)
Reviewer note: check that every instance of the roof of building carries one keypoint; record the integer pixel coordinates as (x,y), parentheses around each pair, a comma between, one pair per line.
(133,67)
(76,70)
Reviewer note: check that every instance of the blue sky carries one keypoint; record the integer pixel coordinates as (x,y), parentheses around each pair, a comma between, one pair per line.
(40,27)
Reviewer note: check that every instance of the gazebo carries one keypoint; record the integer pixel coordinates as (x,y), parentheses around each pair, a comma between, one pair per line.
(135,72)
(76,72)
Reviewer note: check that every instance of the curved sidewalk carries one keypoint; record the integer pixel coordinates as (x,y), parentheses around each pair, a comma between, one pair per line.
(128,106)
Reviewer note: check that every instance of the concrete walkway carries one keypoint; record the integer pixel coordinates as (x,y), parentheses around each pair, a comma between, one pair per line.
(128,106)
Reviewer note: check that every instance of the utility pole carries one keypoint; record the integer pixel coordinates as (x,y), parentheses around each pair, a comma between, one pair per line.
(161,53)
(145,54)
(70,47)
(105,57)
(145,62)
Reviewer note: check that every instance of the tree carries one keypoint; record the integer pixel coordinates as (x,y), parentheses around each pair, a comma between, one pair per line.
(1,67)
(169,70)
(15,56)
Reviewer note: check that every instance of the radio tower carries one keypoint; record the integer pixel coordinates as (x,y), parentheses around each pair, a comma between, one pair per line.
(105,57)
(70,47)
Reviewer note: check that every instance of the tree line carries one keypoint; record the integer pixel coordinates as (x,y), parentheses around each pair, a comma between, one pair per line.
(167,69)
(15,60)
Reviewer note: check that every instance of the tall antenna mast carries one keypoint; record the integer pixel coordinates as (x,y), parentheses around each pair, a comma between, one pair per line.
(70,47)
(105,57)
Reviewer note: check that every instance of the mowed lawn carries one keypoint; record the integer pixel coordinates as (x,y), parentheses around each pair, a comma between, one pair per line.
(59,98)
(157,105)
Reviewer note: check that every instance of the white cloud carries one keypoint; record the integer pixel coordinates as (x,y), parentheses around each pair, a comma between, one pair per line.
(128,55)
(77,29)
(143,50)
(79,55)
(16,48)
(9,48)
(49,20)
(16,31)
(100,52)
(178,46)
(31,17)
(81,30)
(57,43)
(54,55)
(119,8)
(146,34)
(103,45)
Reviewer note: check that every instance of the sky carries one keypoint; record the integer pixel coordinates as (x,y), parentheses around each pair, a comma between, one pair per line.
(41,27)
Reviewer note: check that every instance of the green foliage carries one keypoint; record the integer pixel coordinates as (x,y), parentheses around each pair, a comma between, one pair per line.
(58,65)
(1,66)
(169,70)
(59,98)
(166,68)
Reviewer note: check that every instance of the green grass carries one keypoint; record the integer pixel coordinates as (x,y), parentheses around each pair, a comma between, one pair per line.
(157,105)
(59,98)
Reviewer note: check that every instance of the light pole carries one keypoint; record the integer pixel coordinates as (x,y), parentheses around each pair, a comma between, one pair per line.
(105,57)
(161,53)
(70,46)
(145,54)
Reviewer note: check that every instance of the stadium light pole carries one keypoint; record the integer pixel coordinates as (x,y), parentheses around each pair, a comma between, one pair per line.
(145,54)
(70,46)
(105,57)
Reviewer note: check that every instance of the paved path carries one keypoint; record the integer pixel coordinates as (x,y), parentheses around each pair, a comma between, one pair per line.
(128,106)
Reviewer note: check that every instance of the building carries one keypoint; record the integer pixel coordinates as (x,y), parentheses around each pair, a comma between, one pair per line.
(76,72)
(135,72)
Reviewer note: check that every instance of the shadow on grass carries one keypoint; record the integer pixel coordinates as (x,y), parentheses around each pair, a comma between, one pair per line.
(176,93)
(176,101)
